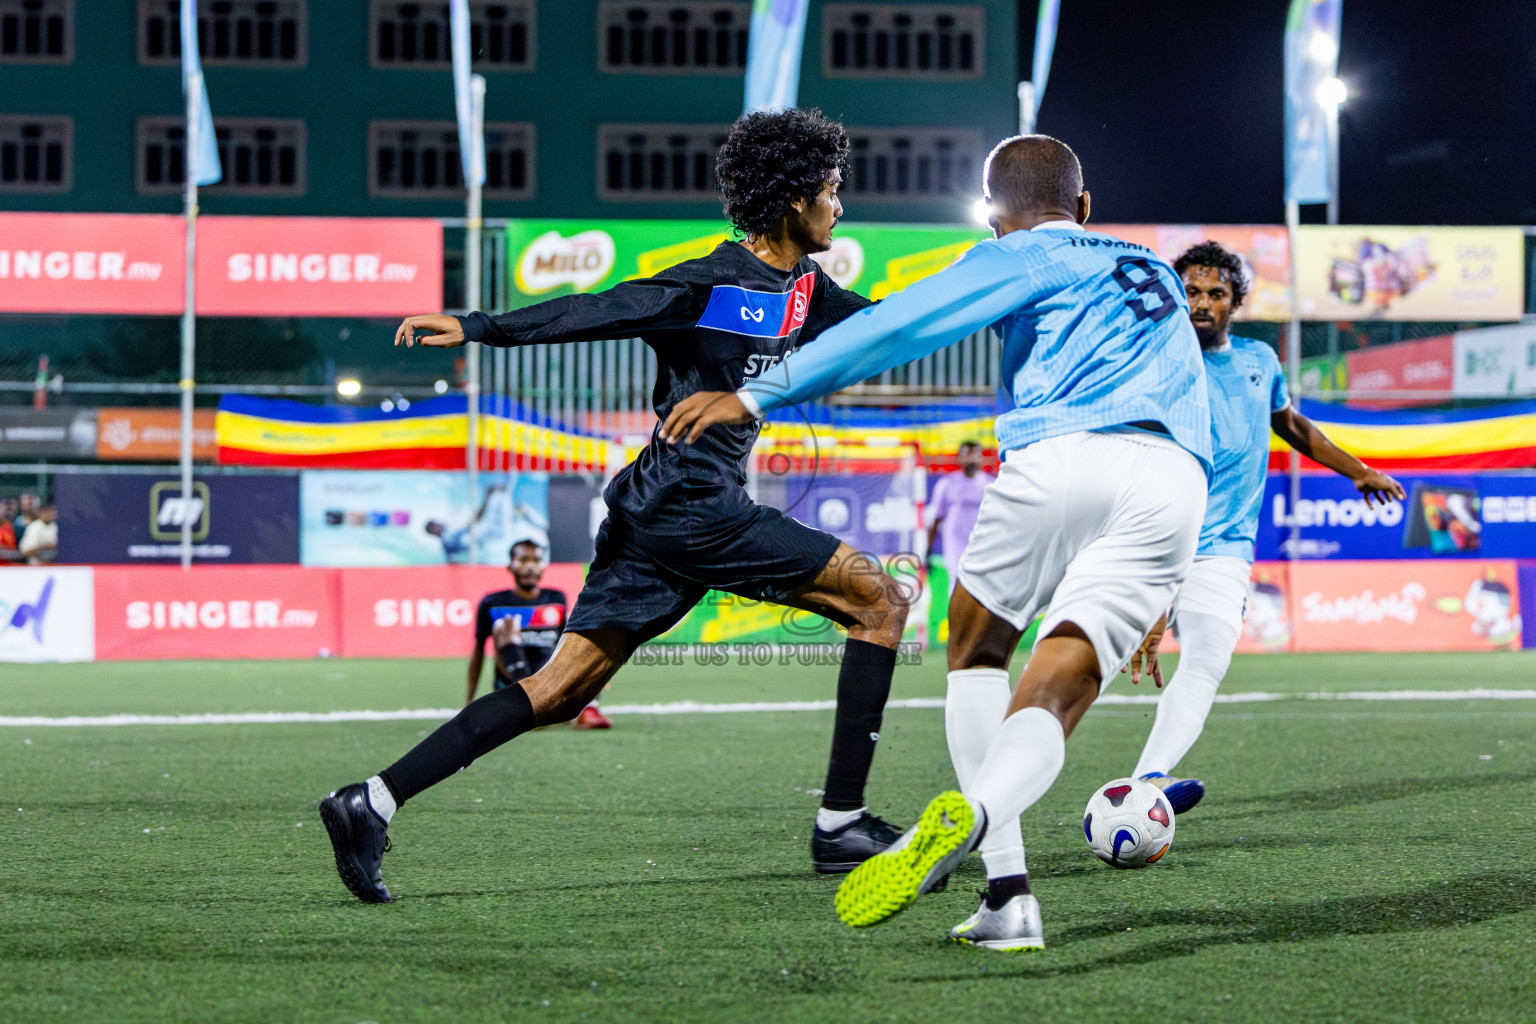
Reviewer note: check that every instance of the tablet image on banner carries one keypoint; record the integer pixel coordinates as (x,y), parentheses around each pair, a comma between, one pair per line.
(395,518)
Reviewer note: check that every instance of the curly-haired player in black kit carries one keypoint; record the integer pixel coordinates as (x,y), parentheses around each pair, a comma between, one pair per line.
(679,519)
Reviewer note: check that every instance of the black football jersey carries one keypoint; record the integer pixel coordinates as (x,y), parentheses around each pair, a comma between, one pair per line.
(714,323)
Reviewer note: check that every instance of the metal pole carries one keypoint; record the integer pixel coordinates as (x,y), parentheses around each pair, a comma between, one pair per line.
(472,225)
(1026,108)
(189,319)
(1333,163)
(1293,370)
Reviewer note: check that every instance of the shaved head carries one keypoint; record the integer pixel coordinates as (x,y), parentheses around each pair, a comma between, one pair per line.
(1033,173)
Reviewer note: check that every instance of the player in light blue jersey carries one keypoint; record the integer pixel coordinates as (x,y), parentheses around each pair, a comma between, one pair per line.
(1248,400)
(1094,517)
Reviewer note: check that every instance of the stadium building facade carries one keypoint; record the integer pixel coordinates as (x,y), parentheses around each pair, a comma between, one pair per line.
(598,109)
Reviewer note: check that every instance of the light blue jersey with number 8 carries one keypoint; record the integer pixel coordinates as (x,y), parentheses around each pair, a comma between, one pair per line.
(1095,332)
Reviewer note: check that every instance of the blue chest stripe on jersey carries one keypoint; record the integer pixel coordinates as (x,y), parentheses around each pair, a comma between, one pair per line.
(741,311)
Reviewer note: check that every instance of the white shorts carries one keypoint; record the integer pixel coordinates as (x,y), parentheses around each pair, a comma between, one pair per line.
(1098,528)
(1217,585)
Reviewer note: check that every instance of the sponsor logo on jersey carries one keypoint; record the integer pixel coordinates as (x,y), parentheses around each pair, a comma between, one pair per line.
(759,314)
(538,616)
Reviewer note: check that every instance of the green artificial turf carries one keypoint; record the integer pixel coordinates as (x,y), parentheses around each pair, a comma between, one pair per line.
(1354,860)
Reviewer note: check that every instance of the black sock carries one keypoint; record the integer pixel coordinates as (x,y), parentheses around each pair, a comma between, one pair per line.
(1001,890)
(479,729)
(863,686)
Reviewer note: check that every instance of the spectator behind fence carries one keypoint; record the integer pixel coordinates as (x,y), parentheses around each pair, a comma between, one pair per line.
(8,550)
(25,513)
(40,544)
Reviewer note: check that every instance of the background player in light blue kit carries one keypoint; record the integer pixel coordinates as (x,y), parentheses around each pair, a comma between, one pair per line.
(1248,399)
(1094,517)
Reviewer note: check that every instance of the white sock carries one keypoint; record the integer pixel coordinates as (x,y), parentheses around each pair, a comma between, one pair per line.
(1205,643)
(974,709)
(381,799)
(1021,764)
(830,821)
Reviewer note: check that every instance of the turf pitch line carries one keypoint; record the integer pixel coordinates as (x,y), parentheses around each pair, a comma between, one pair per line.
(688,707)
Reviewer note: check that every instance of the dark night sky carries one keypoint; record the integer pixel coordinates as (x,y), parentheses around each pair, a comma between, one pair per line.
(1176,109)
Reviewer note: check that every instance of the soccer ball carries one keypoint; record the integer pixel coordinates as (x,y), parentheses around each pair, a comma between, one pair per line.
(1128,823)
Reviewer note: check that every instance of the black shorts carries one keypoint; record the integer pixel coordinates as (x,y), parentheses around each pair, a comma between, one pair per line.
(646,582)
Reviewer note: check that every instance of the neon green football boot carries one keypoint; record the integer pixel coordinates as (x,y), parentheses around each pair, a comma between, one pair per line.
(890,882)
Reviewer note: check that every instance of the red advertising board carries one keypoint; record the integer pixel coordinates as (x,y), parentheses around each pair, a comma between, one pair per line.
(1425,365)
(1267,628)
(267,611)
(91,263)
(425,612)
(318,266)
(1406,606)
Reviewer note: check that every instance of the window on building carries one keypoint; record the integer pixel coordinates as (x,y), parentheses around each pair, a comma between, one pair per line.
(243,33)
(658,161)
(945,41)
(914,163)
(259,156)
(679,38)
(420,159)
(416,35)
(37,31)
(34,153)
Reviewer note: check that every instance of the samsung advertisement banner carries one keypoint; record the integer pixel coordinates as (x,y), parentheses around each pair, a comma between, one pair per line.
(107,518)
(1447,515)
(396,518)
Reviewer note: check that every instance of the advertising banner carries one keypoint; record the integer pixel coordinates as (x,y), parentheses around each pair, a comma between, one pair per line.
(1410,273)
(393,518)
(107,518)
(318,266)
(1496,361)
(220,612)
(1267,627)
(48,433)
(152,435)
(1424,365)
(46,614)
(1406,606)
(549,258)
(1265,249)
(426,612)
(1446,516)
(92,263)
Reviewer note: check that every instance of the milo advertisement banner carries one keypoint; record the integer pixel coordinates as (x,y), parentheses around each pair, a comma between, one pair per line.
(549,258)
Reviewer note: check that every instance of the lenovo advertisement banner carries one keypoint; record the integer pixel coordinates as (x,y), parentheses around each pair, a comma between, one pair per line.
(1410,273)
(92,263)
(417,517)
(426,612)
(1446,516)
(215,612)
(318,266)
(1406,606)
(129,518)
(46,614)
(152,435)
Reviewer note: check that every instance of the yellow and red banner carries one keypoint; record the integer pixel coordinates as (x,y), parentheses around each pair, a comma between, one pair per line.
(1494,437)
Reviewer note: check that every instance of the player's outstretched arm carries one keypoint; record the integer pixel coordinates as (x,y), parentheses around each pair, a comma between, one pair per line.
(1302,434)
(983,286)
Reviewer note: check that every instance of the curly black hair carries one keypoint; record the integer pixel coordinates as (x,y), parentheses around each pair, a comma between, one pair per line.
(771,158)
(1214,255)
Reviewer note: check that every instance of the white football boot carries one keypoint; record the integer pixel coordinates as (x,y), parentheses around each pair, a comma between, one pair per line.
(1013,927)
